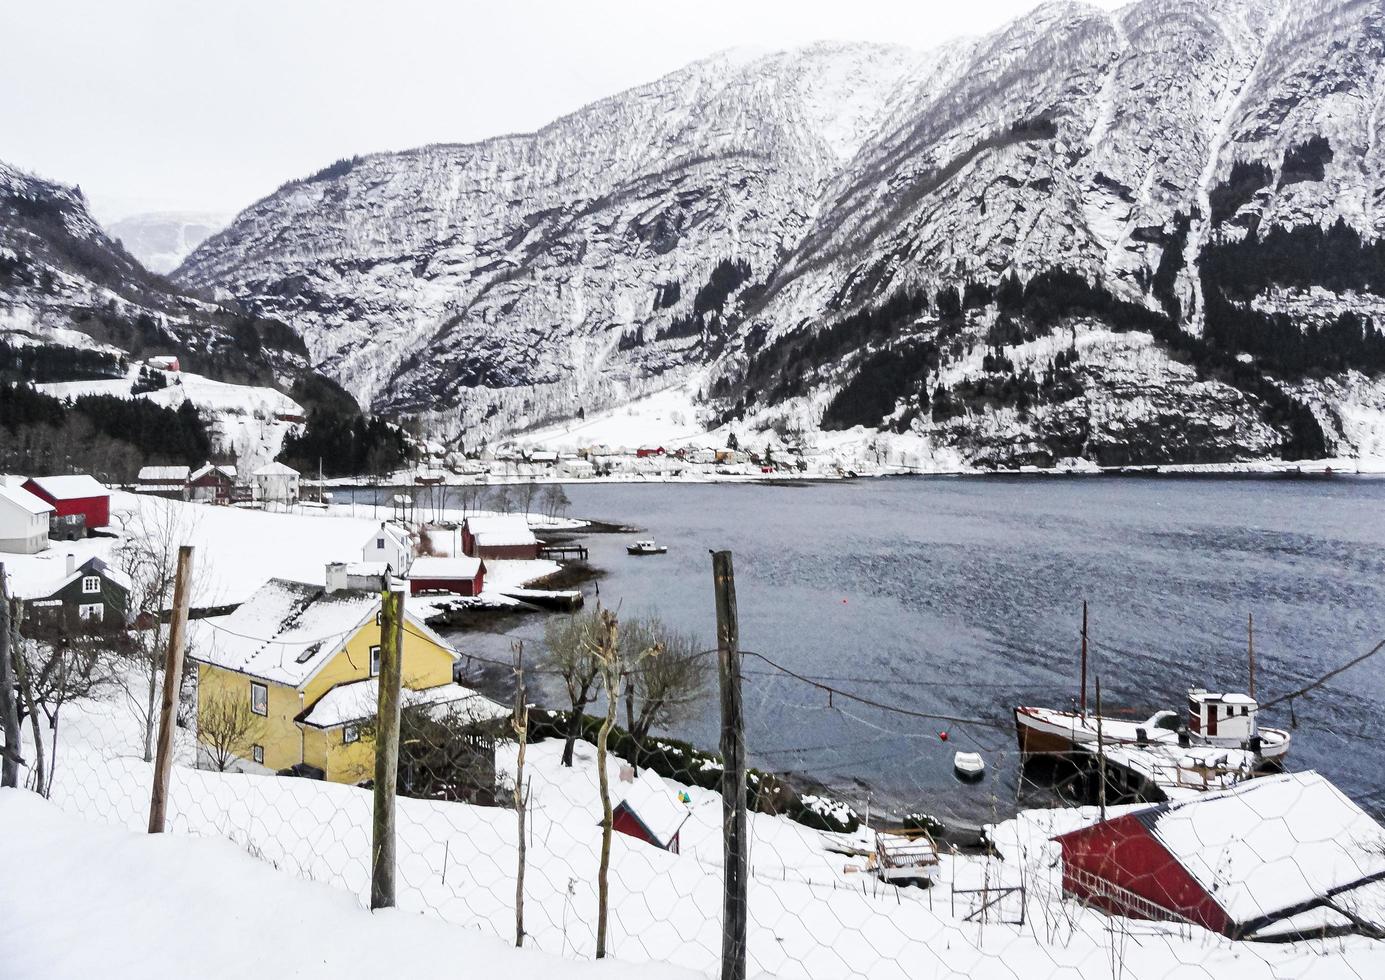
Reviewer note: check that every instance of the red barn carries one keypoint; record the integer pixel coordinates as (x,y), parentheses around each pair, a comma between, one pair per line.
(1278,856)
(499,537)
(462,576)
(650,812)
(77,495)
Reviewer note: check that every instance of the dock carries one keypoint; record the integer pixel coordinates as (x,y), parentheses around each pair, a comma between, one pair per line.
(563,552)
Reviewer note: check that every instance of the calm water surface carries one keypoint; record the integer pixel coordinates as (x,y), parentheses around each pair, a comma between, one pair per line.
(963,597)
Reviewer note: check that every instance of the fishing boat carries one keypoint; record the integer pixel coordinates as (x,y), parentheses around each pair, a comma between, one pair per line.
(969,766)
(1214,721)
(647,547)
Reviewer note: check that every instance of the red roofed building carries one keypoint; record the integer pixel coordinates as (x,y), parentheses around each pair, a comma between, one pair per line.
(462,576)
(73,496)
(499,537)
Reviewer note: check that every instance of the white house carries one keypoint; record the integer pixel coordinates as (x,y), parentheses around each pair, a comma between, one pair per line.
(389,544)
(23,521)
(276,483)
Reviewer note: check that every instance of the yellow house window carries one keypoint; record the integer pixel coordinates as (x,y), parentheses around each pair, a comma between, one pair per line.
(257,754)
(259,698)
(374,661)
(349,734)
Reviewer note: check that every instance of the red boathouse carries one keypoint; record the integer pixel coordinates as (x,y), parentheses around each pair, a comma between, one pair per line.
(73,496)
(464,576)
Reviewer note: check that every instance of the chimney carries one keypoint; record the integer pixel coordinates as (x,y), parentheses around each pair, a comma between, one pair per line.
(336,577)
(71,563)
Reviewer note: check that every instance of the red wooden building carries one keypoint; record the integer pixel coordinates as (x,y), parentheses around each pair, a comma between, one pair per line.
(77,495)
(499,537)
(650,812)
(1275,857)
(462,576)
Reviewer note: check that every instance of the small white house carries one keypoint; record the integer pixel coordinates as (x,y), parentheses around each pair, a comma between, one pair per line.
(276,483)
(23,521)
(389,544)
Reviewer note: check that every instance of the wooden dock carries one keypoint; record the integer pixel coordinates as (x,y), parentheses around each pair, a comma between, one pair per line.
(563,552)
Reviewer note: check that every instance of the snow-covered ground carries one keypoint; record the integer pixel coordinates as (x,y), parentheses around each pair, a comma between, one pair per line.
(244,420)
(813,913)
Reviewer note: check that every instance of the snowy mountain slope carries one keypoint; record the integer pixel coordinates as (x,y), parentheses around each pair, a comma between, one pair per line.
(730,220)
(161,240)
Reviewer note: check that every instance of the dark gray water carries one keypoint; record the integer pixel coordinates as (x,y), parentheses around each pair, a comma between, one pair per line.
(963,597)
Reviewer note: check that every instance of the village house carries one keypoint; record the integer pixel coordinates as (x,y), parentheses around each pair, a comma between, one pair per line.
(23,521)
(649,811)
(463,576)
(212,483)
(392,545)
(89,599)
(276,483)
(304,658)
(1275,857)
(163,481)
(499,537)
(80,504)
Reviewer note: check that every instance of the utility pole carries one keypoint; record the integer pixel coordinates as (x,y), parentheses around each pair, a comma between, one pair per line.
(173,677)
(386,744)
(1084,659)
(1250,649)
(735,843)
(1100,755)
(521,728)
(9,710)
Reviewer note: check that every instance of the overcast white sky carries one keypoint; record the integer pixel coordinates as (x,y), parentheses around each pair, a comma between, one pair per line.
(186,105)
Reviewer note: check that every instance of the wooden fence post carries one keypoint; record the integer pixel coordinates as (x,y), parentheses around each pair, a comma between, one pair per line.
(9,709)
(386,746)
(733,787)
(173,677)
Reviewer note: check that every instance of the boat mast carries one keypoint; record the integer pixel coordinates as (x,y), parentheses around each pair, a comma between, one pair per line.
(1250,650)
(1100,755)
(1084,659)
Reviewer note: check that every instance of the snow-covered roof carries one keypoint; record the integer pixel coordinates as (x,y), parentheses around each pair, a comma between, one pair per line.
(357,701)
(500,530)
(71,487)
(227,471)
(43,588)
(276,469)
(164,474)
(427,566)
(1271,844)
(650,800)
(287,630)
(390,531)
(25,500)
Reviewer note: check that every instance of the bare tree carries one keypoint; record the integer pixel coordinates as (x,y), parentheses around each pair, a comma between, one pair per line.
(520,725)
(55,674)
(571,641)
(148,556)
(502,499)
(555,500)
(227,728)
(526,493)
(470,495)
(667,688)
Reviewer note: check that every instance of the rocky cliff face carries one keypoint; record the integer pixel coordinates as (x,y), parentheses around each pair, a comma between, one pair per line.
(784,234)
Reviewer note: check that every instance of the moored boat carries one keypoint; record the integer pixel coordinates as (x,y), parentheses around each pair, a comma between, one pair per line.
(647,547)
(969,766)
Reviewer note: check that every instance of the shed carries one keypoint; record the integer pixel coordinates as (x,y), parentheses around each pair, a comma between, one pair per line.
(650,812)
(75,496)
(1276,856)
(464,575)
(23,521)
(499,536)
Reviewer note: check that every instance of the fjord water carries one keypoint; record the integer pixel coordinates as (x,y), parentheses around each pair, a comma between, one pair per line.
(962,597)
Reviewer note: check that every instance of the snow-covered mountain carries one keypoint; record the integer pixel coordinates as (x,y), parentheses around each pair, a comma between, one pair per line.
(1093,234)
(161,240)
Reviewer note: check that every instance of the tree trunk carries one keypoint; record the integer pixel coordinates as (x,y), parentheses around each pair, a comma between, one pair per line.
(603,888)
(574,730)
(21,667)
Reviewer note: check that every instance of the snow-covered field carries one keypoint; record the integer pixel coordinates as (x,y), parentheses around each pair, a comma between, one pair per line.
(813,914)
(243,419)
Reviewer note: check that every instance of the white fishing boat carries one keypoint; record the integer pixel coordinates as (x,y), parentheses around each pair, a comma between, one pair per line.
(646,547)
(969,765)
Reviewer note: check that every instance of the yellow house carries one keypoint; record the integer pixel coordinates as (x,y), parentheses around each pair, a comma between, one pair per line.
(304,658)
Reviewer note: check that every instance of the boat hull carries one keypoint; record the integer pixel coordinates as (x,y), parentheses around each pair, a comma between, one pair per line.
(1042,732)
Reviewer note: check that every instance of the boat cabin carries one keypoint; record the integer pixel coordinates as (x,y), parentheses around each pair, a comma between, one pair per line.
(1230,717)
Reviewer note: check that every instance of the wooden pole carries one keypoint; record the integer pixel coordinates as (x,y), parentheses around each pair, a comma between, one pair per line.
(735,843)
(173,676)
(521,727)
(1084,658)
(1250,649)
(1100,754)
(386,746)
(9,710)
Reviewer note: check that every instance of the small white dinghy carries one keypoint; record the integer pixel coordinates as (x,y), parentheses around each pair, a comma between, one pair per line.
(969,765)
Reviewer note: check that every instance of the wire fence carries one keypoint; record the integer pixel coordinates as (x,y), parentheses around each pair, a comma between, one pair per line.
(1121,872)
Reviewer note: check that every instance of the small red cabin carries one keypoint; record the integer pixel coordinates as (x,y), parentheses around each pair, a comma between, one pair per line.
(464,576)
(647,451)
(650,812)
(73,496)
(1272,857)
(499,537)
